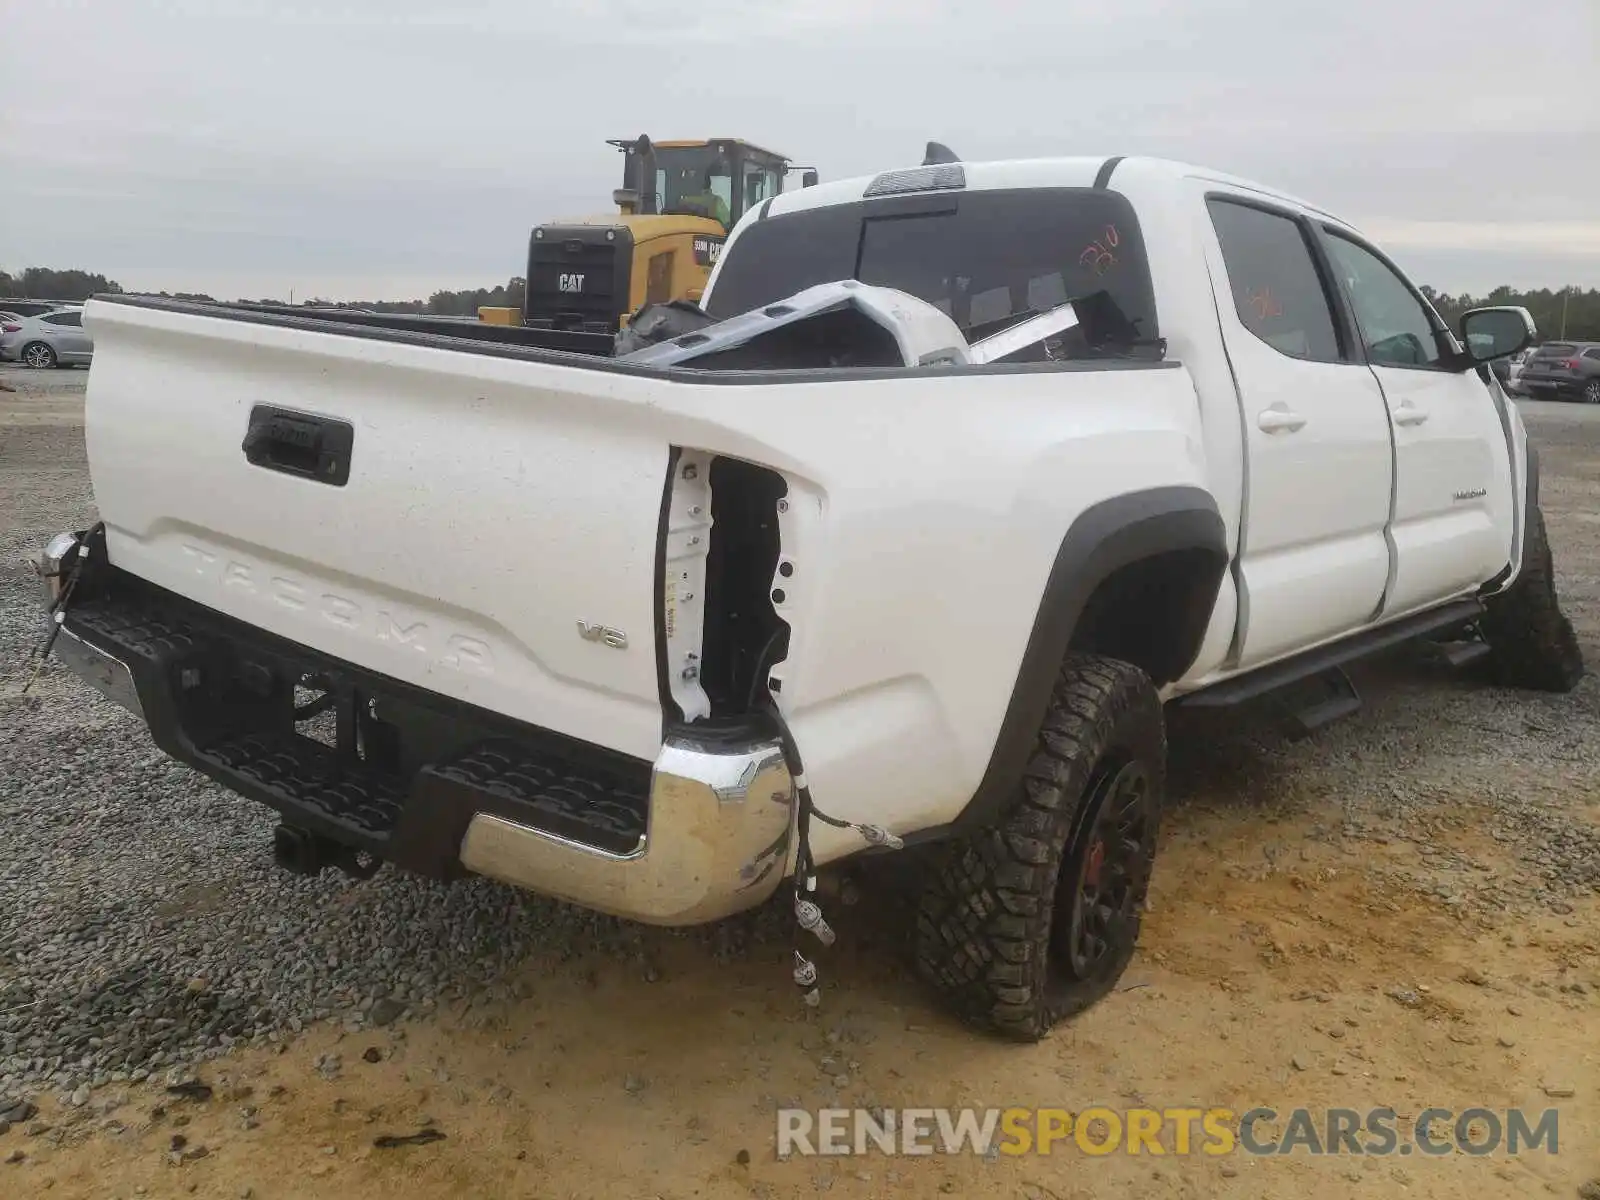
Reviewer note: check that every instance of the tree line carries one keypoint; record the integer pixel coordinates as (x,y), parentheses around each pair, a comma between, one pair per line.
(75,286)
(1575,309)
(465,303)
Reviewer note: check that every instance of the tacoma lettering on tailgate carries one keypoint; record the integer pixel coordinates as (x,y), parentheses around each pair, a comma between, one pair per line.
(387,623)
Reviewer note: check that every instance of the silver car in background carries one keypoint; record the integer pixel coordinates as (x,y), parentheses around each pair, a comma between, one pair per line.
(52,339)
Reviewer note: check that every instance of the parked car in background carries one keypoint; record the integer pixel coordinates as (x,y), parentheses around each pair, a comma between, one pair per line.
(34,308)
(1508,371)
(1563,371)
(55,339)
(1513,373)
(1501,369)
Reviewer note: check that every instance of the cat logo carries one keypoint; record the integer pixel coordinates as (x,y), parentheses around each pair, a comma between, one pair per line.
(569,283)
(707,250)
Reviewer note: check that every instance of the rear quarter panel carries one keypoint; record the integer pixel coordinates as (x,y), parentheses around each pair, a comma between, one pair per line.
(926,514)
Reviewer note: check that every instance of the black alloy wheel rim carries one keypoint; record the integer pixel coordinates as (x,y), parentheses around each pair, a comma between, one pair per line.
(1101,885)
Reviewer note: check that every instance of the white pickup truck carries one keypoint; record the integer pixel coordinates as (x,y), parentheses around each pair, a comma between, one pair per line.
(617,627)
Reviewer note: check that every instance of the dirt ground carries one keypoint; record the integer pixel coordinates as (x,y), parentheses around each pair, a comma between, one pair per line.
(1350,921)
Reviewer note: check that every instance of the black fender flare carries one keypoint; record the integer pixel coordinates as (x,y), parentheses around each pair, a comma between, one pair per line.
(1530,503)
(1102,539)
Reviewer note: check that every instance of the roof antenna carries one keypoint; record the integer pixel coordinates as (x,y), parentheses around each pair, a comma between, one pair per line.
(938,152)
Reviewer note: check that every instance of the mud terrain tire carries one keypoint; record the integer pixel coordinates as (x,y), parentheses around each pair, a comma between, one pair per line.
(1025,924)
(1531,642)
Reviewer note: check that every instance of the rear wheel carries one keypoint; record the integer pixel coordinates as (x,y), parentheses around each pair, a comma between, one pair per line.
(1591,391)
(1531,642)
(1031,921)
(38,355)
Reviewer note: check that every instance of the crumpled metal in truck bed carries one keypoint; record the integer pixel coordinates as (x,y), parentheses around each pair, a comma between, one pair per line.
(922,334)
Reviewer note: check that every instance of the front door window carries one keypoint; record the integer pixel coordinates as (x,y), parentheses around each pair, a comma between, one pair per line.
(1395,327)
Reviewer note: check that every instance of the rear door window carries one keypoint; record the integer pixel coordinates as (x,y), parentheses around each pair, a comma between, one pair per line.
(1277,289)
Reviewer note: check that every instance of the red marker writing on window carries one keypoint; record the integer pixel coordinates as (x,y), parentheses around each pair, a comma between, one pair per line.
(1098,255)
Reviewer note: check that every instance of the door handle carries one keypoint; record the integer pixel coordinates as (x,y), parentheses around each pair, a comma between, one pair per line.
(1279,420)
(1407,413)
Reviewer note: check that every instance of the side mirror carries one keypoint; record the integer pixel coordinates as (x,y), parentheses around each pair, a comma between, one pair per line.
(1491,333)
(808,178)
(626,199)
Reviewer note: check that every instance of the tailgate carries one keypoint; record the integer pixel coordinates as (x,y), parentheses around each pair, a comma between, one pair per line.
(420,512)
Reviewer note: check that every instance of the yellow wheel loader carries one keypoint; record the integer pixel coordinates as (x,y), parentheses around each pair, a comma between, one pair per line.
(677,202)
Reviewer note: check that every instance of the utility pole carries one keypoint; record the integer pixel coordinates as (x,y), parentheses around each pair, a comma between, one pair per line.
(1565,292)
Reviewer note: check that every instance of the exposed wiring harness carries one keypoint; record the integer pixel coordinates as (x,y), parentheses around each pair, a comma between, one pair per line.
(63,601)
(807,912)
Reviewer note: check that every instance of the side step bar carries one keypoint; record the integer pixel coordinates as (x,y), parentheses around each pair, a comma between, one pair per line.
(1317,662)
(1320,700)
(1459,655)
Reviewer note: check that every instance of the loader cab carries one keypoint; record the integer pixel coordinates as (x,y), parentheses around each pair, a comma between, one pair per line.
(720,179)
(676,206)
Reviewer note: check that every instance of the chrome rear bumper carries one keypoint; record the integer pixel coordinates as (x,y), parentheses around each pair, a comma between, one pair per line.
(101,670)
(716,842)
(714,836)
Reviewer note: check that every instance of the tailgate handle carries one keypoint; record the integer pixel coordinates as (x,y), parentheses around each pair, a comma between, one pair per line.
(302,444)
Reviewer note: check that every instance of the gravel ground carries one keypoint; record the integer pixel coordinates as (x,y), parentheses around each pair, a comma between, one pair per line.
(144,929)
(143,925)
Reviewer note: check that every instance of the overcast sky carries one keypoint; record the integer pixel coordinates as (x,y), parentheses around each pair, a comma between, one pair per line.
(385,148)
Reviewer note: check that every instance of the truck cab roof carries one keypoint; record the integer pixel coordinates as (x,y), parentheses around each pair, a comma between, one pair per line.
(1068,171)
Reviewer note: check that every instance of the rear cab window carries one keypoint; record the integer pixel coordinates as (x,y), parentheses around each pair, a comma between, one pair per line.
(986,258)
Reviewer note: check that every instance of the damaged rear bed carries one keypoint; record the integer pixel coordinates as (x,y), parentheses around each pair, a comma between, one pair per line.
(462,603)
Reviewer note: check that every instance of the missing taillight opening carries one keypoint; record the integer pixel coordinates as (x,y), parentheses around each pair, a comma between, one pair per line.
(744,636)
(722,554)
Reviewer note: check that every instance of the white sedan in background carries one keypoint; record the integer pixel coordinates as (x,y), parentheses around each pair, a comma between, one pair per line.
(52,339)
